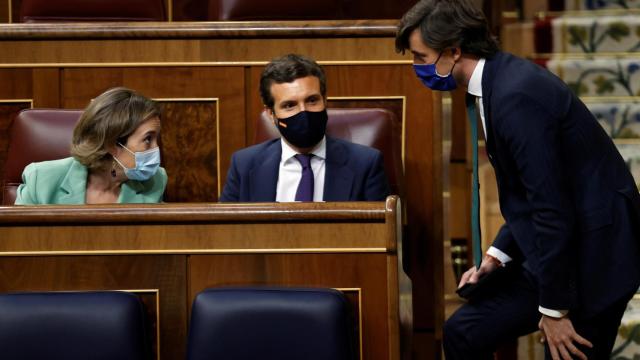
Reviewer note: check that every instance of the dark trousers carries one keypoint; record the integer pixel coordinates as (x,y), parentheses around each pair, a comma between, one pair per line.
(481,325)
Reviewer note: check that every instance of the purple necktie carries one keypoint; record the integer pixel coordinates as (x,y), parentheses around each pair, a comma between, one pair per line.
(305,187)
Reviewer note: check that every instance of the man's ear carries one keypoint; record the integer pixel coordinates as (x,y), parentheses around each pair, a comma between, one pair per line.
(271,115)
(456,53)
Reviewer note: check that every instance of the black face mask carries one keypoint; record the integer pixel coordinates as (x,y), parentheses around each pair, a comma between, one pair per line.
(304,129)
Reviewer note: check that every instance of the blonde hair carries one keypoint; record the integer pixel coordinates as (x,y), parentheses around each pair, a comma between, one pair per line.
(110,118)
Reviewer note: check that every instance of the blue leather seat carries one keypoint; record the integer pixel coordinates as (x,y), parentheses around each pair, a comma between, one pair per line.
(270,323)
(72,325)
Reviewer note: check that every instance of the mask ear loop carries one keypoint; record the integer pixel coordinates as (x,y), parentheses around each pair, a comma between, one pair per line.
(453,50)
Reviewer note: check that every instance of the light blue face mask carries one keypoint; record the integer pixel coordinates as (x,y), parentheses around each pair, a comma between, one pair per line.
(147,164)
(428,74)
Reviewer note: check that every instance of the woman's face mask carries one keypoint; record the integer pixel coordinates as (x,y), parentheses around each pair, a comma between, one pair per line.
(147,164)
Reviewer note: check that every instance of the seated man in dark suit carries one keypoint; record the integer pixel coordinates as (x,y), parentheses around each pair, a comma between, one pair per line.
(303,165)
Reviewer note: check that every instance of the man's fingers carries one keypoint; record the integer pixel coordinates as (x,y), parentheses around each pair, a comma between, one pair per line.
(574,350)
(582,341)
(564,353)
(553,351)
(465,277)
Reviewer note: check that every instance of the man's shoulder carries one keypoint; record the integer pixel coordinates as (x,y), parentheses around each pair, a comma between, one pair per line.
(257,149)
(248,156)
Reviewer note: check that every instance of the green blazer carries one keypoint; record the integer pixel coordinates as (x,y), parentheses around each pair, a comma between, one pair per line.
(64,181)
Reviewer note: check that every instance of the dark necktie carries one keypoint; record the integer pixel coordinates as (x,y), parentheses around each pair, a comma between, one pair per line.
(475,184)
(305,187)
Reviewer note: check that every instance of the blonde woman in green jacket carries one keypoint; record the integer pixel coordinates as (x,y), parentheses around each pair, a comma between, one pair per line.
(115,157)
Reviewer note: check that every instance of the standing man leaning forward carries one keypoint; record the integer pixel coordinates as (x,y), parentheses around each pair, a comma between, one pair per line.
(303,165)
(572,210)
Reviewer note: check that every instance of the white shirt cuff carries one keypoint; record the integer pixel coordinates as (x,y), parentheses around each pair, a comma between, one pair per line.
(553,313)
(498,254)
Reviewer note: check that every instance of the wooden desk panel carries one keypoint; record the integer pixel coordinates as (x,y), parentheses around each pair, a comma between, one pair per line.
(181,249)
(166,274)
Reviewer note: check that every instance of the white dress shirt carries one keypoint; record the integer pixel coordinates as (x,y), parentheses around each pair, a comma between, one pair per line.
(290,172)
(475,88)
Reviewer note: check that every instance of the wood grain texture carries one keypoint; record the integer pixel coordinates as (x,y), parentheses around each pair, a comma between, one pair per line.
(69,273)
(4,11)
(193,52)
(8,111)
(189,151)
(366,272)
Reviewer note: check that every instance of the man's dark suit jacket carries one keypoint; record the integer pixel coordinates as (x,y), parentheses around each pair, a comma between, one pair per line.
(352,173)
(571,206)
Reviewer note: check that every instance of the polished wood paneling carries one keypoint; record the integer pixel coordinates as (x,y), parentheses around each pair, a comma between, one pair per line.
(189,153)
(46,88)
(8,110)
(94,52)
(67,273)
(4,11)
(366,272)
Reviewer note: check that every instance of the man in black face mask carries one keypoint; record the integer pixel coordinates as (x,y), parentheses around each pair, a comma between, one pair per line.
(303,165)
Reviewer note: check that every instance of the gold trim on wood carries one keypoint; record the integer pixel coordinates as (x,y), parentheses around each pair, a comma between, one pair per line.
(157,295)
(217,102)
(359,291)
(193,63)
(198,251)
(383,97)
(17,101)
(10,11)
(169,10)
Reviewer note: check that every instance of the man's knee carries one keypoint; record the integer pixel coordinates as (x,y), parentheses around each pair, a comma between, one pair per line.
(452,329)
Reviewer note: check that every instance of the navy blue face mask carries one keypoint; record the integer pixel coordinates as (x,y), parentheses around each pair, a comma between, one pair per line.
(304,129)
(428,74)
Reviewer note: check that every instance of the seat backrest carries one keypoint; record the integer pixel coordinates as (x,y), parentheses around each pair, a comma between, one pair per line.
(270,323)
(36,135)
(94,10)
(73,325)
(372,127)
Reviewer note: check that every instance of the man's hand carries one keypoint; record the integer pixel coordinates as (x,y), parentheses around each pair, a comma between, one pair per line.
(489,263)
(559,335)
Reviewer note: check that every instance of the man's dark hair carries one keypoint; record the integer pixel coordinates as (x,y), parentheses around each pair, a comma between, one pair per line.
(286,69)
(448,23)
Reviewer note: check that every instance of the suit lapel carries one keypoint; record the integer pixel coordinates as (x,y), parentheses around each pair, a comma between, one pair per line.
(263,178)
(488,77)
(73,187)
(338,179)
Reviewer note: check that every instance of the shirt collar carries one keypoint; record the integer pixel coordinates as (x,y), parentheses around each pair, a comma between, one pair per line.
(475,83)
(319,151)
